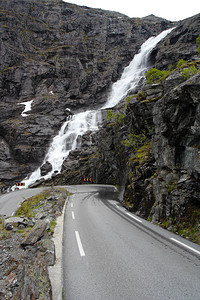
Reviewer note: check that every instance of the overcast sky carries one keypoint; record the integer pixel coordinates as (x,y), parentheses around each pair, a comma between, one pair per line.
(172,10)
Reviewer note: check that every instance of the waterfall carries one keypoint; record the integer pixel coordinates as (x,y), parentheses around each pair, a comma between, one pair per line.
(134,71)
(69,136)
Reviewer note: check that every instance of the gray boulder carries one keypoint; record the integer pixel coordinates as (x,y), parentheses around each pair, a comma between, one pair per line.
(46,168)
(36,233)
(11,222)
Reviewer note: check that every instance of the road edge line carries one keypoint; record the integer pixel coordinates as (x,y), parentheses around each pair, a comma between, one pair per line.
(186,246)
(145,228)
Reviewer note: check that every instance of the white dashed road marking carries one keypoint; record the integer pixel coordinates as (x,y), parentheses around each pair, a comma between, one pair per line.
(80,247)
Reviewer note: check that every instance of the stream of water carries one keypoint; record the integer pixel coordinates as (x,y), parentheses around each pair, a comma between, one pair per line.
(69,136)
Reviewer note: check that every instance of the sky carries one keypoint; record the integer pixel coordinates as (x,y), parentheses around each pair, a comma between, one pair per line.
(173,10)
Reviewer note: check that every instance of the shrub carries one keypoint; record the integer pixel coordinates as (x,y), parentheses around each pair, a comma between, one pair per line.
(121,118)
(109,115)
(170,67)
(134,141)
(118,119)
(188,72)
(180,63)
(154,75)
(141,96)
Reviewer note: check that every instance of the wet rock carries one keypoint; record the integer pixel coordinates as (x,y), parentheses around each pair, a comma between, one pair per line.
(37,183)
(46,168)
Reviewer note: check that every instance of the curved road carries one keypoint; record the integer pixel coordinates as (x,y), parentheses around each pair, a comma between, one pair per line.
(110,254)
(9,202)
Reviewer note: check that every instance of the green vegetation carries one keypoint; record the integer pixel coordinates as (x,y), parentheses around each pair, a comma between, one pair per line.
(134,141)
(188,72)
(110,115)
(171,188)
(120,118)
(154,75)
(180,63)
(141,96)
(26,207)
(188,225)
(52,226)
(4,234)
(116,118)
(143,153)
(198,44)
(170,67)
(1,224)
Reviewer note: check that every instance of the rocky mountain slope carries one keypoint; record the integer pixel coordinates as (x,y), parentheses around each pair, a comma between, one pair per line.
(152,152)
(60,56)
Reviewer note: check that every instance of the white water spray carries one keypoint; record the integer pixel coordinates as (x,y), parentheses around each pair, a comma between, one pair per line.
(134,71)
(71,132)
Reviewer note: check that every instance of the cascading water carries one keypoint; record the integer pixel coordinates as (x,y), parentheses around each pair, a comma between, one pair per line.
(134,71)
(73,129)
(68,139)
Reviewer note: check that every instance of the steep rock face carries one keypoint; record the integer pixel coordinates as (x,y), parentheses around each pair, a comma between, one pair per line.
(164,183)
(163,175)
(176,147)
(60,56)
(179,44)
(99,160)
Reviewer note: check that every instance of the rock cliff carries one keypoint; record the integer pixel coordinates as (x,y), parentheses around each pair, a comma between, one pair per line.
(163,178)
(61,56)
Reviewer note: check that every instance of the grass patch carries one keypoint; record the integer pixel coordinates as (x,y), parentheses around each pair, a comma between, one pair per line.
(24,231)
(4,234)
(52,226)
(188,225)
(171,188)
(26,207)
(143,153)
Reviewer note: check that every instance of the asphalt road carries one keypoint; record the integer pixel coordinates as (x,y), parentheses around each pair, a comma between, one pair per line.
(9,202)
(110,254)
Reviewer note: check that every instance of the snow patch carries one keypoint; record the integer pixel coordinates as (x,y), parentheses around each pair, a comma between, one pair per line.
(27,107)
